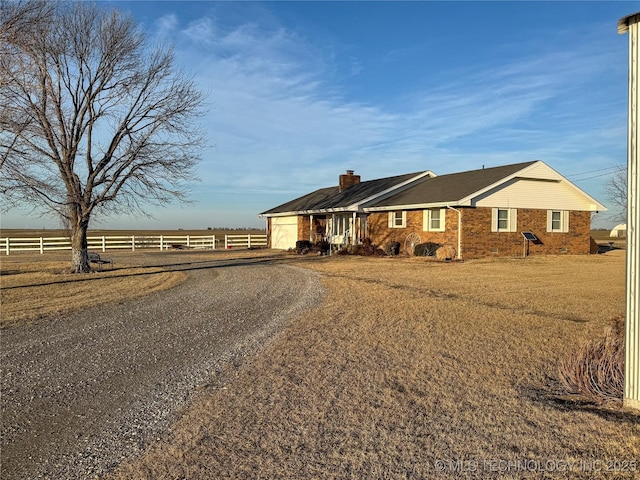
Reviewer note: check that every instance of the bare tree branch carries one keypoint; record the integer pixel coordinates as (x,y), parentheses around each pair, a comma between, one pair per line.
(616,191)
(96,121)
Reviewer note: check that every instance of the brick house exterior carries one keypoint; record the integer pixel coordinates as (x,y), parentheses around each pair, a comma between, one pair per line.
(478,241)
(480,213)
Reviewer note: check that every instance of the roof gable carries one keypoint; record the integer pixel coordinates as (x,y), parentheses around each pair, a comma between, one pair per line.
(521,185)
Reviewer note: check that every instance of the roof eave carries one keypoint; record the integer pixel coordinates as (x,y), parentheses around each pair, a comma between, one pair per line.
(320,211)
(414,206)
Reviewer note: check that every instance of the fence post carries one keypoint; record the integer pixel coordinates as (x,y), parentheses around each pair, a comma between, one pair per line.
(249,241)
(188,241)
(104,244)
(8,243)
(226,244)
(41,246)
(133,243)
(161,240)
(213,242)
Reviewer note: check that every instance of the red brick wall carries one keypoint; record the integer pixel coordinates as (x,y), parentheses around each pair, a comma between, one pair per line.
(380,234)
(268,232)
(477,239)
(304,227)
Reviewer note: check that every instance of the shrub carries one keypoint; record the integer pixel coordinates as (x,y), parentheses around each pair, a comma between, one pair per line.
(368,248)
(355,249)
(446,252)
(322,247)
(303,246)
(427,249)
(595,371)
(392,248)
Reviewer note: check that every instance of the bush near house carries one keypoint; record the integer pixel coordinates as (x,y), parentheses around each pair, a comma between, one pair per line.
(392,248)
(427,249)
(305,246)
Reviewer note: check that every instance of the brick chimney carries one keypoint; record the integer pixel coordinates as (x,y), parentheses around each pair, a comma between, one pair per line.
(348,180)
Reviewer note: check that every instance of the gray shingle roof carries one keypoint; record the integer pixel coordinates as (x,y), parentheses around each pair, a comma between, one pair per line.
(332,199)
(441,189)
(449,188)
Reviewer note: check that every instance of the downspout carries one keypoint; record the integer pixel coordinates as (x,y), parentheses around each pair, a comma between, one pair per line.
(311,228)
(459,231)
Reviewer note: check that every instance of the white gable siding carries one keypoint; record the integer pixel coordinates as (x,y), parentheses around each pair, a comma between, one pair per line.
(540,170)
(535,194)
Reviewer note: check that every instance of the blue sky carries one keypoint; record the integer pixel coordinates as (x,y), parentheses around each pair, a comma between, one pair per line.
(298,92)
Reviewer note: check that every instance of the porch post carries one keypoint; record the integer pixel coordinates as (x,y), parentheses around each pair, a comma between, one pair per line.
(333,218)
(353,229)
(311,228)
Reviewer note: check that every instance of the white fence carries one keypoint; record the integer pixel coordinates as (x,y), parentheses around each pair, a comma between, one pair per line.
(135,242)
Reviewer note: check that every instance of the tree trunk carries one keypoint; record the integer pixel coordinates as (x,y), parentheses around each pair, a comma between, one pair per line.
(79,253)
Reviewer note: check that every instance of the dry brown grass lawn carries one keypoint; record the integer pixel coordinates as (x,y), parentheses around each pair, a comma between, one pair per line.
(410,362)
(33,287)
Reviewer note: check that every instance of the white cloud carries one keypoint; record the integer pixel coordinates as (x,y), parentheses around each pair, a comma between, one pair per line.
(201,31)
(166,25)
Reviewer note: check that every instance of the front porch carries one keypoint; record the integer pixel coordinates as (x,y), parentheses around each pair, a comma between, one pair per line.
(339,229)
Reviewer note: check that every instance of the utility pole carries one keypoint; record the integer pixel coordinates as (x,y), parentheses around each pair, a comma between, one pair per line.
(631,25)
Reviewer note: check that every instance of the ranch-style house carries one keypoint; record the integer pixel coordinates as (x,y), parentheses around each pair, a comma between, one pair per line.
(513,210)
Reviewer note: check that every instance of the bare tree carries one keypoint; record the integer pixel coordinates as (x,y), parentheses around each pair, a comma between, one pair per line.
(616,191)
(93,119)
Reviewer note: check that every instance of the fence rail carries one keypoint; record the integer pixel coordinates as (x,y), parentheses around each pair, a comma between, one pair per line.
(135,242)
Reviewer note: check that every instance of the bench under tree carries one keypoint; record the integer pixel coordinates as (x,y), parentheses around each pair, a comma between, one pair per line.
(100,261)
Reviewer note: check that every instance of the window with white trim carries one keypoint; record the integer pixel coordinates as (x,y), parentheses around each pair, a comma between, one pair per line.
(398,219)
(504,220)
(433,220)
(558,221)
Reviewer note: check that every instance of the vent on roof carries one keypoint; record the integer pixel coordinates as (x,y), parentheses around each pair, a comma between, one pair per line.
(348,180)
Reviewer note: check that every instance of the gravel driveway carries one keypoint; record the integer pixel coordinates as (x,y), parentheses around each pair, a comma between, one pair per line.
(83,391)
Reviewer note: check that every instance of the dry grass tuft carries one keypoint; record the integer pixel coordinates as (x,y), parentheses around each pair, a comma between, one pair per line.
(595,371)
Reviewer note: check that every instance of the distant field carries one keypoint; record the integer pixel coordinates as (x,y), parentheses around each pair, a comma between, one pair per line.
(601,236)
(14,232)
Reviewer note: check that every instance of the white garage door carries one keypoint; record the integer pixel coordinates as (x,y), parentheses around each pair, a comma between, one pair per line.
(284,232)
